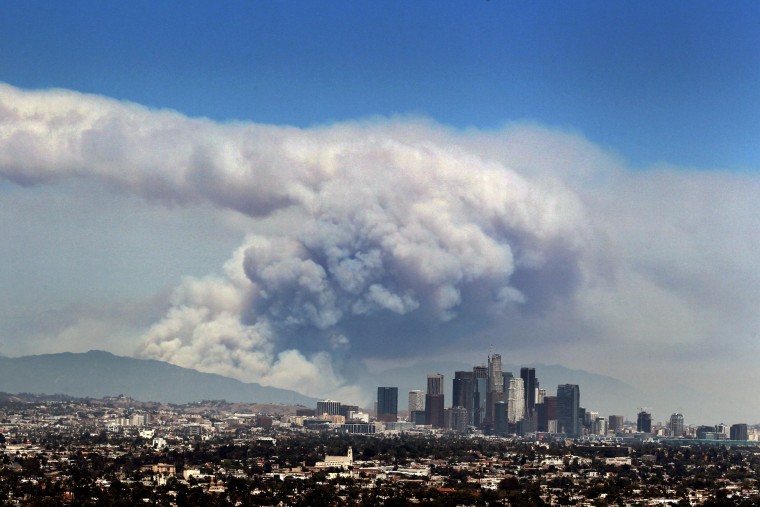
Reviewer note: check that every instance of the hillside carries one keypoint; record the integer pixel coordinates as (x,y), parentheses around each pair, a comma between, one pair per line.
(98,374)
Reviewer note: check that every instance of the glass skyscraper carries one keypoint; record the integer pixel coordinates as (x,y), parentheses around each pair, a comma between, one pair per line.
(568,405)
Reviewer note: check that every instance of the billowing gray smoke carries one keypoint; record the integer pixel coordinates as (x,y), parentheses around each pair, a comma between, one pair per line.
(390,232)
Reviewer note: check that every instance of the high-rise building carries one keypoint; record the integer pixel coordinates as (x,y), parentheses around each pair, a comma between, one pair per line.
(581,419)
(495,377)
(644,422)
(676,425)
(387,404)
(434,402)
(739,432)
(495,387)
(541,419)
(568,408)
(539,412)
(434,383)
(434,407)
(416,400)
(329,407)
(550,412)
(462,392)
(616,423)
(480,395)
(515,400)
(500,418)
(528,376)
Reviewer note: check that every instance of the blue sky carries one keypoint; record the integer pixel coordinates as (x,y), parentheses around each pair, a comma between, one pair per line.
(574,182)
(675,82)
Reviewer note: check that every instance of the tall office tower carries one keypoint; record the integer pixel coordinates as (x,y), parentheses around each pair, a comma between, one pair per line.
(434,410)
(676,425)
(462,392)
(495,377)
(739,432)
(434,403)
(329,407)
(434,383)
(539,412)
(528,376)
(644,422)
(387,404)
(479,395)
(500,418)
(616,423)
(568,408)
(545,412)
(541,419)
(515,400)
(495,387)
(416,400)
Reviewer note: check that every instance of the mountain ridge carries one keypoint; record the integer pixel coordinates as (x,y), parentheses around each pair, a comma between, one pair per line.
(98,374)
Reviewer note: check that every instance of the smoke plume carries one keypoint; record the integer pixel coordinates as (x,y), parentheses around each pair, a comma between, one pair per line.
(392,233)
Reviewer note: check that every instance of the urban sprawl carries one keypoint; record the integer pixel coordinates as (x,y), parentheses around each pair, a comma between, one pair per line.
(502,441)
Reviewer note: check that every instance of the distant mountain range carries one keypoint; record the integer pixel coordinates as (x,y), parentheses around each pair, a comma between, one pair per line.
(98,374)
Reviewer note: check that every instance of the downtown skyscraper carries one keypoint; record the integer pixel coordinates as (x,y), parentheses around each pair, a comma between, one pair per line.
(479,395)
(434,402)
(515,400)
(387,404)
(495,388)
(531,388)
(417,406)
(568,409)
(463,392)
(416,400)
(676,425)
(644,422)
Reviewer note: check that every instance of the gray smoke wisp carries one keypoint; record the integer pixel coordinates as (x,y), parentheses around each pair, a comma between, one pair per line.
(387,224)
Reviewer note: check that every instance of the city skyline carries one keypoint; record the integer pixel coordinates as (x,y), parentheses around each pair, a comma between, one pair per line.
(501,404)
(309,197)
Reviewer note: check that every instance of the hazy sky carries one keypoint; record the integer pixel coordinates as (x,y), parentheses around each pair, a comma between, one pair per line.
(296,192)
